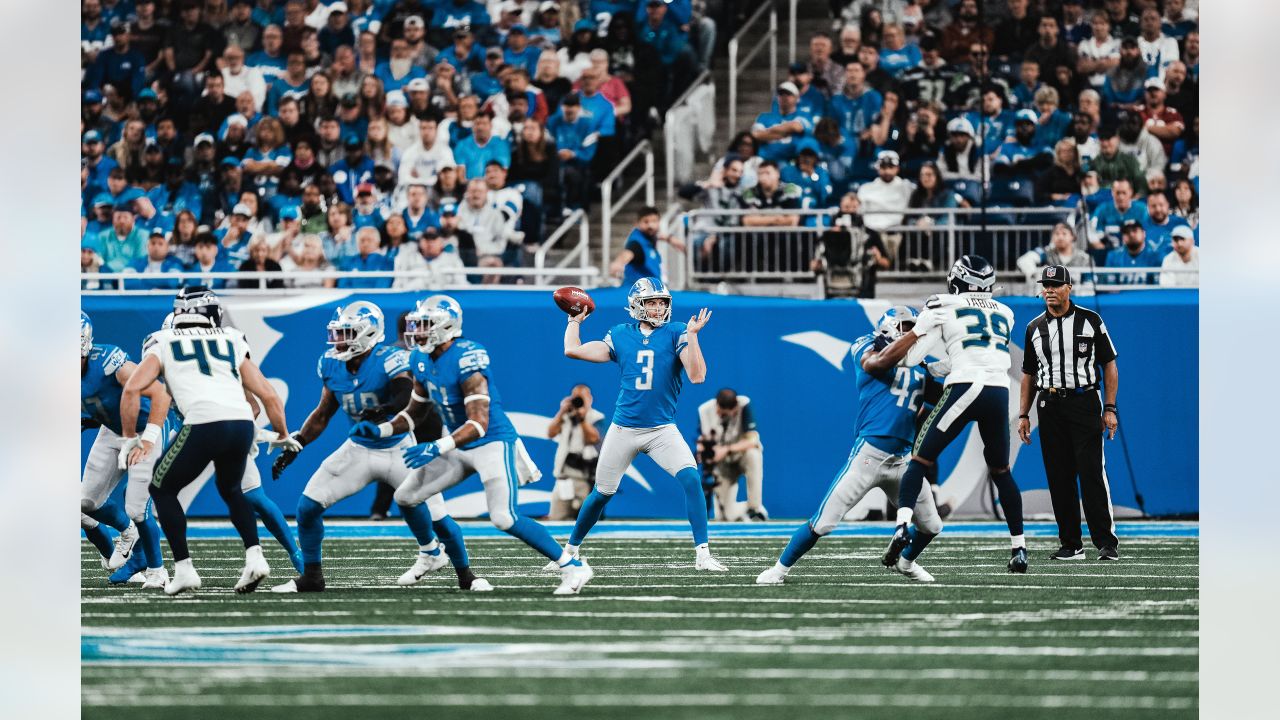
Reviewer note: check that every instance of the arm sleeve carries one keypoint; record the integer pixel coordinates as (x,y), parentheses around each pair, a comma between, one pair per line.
(1106,350)
(1030,363)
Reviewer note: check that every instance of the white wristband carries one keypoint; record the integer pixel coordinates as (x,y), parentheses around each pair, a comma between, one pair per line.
(151,433)
(445,444)
(407,419)
(475,424)
(385,430)
(416,397)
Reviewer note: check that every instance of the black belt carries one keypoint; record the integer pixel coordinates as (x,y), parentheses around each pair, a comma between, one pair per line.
(1067,392)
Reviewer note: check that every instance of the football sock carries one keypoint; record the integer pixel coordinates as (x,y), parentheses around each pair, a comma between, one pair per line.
(909,489)
(100,539)
(802,541)
(266,510)
(919,541)
(1010,500)
(904,516)
(694,503)
(241,512)
(149,540)
(310,518)
(172,520)
(431,548)
(450,534)
(588,516)
(111,514)
(535,536)
(418,518)
(1018,541)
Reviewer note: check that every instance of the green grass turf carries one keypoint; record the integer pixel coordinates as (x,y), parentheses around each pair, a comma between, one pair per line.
(652,638)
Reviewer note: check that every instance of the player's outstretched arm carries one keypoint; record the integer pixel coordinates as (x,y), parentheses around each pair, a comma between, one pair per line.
(319,418)
(156,393)
(594,351)
(695,366)
(142,377)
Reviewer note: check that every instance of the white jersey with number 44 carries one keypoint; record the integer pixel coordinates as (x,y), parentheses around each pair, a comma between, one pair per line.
(972,335)
(201,367)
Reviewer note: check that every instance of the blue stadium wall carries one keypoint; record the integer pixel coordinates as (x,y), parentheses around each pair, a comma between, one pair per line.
(789,356)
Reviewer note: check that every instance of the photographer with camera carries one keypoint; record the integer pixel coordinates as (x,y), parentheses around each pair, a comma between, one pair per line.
(849,254)
(577,449)
(728,448)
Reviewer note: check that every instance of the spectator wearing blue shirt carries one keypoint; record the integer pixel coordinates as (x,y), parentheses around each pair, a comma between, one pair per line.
(176,194)
(268,13)
(293,82)
(463,54)
(1135,253)
(449,15)
(368,259)
(1024,93)
(95,31)
(1021,157)
(100,164)
(519,53)
(481,148)
(670,43)
(398,70)
(123,242)
(233,240)
(206,260)
(1160,224)
(856,106)
(486,84)
(368,211)
(777,132)
(639,257)
(100,217)
(337,30)
(265,162)
(157,260)
(595,106)
(994,124)
(576,139)
(896,54)
(353,170)
(270,61)
(1052,124)
(120,66)
(1110,217)
(810,101)
(418,215)
(1123,83)
(813,180)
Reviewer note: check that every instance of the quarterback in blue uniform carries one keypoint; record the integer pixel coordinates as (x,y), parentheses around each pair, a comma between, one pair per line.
(455,372)
(888,399)
(104,370)
(367,379)
(653,354)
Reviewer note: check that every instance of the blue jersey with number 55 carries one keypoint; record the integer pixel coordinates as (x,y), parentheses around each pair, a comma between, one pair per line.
(444,378)
(887,402)
(651,373)
(368,387)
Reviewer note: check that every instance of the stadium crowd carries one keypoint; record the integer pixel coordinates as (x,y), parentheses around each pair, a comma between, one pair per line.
(366,135)
(1089,105)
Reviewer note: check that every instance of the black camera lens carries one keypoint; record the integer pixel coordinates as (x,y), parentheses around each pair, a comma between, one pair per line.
(576,402)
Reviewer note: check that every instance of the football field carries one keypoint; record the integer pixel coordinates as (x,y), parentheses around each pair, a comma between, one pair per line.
(652,638)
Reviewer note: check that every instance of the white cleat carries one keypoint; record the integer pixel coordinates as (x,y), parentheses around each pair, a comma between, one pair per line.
(155,578)
(709,564)
(912,571)
(425,564)
(255,570)
(184,578)
(105,563)
(573,578)
(289,587)
(124,547)
(137,578)
(480,585)
(771,576)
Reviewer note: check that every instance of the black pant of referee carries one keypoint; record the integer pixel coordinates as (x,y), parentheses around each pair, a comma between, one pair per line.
(1062,352)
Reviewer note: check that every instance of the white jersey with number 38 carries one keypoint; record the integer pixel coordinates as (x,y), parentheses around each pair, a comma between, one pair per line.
(972,334)
(201,367)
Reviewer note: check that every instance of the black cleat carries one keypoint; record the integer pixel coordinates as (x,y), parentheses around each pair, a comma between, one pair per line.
(1018,560)
(311,580)
(1108,554)
(757,516)
(1066,553)
(901,539)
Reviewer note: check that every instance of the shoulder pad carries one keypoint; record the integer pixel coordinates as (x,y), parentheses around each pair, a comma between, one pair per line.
(395,360)
(113,358)
(474,360)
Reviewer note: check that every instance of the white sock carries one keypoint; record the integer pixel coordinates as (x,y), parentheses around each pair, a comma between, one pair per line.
(781,568)
(571,549)
(431,548)
(565,558)
(1019,541)
(252,551)
(904,515)
(703,549)
(183,564)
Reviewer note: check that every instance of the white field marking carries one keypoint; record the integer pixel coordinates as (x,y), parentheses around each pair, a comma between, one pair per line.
(559,698)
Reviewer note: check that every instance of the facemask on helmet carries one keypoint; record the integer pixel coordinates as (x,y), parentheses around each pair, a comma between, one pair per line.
(434,322)
(646,289)
(895,322)
(86,334)
(355,329)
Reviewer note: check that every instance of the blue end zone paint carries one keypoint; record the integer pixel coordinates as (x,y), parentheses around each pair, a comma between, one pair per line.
(726,531)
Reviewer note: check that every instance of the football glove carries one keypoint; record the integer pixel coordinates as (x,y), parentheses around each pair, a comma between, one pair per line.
(419,455)
(366,429)
(880,343)
(122,461)
(926,322)
(288,456)
(88,423)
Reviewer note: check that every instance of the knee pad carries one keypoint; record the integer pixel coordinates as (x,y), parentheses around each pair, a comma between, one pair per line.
(821,529)
(137,511)
(933,526)
(502,520)
(87,506)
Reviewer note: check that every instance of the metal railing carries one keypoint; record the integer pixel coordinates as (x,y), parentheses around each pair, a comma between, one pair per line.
(609,206)
(791,31)
(580,252)
(736,66)
(669,130)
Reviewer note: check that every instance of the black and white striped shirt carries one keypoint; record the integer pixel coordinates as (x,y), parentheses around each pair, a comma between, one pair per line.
(1065,352)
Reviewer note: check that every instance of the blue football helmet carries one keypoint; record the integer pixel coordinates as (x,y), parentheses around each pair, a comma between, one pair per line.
(197,305)
(646,289)
(435,321)
(892,322)
(86,334)
(971,273)
(355,329)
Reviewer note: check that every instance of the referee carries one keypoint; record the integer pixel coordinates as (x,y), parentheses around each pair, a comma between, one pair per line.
(1063,348)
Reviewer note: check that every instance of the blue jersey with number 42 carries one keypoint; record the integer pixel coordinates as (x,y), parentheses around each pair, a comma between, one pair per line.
(887,402)
(100,390)
(651,373)
(444,377)
(368,387)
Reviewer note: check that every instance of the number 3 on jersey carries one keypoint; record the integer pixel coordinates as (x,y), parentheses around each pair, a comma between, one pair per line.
(985,329)
(645,381)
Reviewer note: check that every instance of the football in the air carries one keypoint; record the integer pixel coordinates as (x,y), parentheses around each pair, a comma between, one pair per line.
(573,300)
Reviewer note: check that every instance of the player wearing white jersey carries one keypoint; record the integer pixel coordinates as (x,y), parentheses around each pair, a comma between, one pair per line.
(207,370)
(970,330)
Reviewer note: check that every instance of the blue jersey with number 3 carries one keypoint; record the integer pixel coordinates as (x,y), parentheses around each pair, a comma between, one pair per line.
(368,387)
(887,402)
(651,373)
(100,390)
(444,377)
